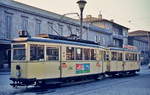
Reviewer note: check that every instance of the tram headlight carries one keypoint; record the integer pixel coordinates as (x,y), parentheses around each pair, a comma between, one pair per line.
(18,73)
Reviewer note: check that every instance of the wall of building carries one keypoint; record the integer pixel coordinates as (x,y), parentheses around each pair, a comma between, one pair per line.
(15,17)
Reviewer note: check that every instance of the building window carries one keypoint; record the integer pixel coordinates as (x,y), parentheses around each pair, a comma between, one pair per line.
(69,29)
(37,52)
(8,24)
(52,53)
(24,23)
(38,27)
(50,28)
(60,29)
(77,32)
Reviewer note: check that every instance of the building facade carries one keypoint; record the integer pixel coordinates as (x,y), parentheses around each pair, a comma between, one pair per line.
(141,39)
(119,33)
(15,17)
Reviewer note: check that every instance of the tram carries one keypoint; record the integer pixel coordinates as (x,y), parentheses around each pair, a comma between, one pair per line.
(39,61)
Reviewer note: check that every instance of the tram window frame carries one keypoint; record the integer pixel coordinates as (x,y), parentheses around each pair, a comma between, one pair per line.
(93,54)
(52,53)
(135,57)
(127,56)
(38,52)
(120,56)
(23,52)
(78,54)
(86,54)
(114,56)
(70,53)
(106,56)
(131,57)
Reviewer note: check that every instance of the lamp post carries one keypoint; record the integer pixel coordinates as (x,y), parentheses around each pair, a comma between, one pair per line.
(81,4)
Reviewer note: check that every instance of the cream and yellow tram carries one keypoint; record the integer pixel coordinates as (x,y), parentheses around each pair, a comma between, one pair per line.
(123,61)
(39,61)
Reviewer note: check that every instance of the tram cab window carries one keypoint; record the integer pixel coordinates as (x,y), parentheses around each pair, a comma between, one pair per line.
(52,53)
(19,52)
(37,52)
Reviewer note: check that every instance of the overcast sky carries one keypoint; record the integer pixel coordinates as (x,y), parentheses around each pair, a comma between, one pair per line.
(134,14)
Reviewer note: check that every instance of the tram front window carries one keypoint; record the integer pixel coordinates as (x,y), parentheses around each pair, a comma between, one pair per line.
(37,52)
(19,52)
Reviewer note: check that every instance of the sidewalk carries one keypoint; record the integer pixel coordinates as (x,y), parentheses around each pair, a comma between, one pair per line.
(4,71)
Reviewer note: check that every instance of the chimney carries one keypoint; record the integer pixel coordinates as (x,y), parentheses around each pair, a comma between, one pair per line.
(89,17)
(100,16)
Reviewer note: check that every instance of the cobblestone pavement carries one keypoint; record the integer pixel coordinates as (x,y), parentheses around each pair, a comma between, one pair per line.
(135,85)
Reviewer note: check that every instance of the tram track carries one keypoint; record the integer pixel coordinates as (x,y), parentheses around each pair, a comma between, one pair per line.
(87,87)
(104,86)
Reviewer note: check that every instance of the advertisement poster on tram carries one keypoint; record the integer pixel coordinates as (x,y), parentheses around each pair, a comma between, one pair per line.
(82,68)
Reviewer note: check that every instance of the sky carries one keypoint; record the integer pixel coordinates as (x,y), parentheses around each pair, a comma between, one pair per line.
(134,14)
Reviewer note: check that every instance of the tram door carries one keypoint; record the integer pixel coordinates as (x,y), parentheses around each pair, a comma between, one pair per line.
(107,60)
(52,66)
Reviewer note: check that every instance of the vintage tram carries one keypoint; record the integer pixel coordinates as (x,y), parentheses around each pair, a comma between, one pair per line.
(40,61)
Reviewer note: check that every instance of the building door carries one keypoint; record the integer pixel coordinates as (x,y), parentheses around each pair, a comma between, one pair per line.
(5,55)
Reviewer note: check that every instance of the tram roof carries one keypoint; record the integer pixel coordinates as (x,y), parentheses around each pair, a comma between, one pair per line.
(123,49)
(47,40)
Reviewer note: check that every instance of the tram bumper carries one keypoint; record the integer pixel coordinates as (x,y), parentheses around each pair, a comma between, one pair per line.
(22,81)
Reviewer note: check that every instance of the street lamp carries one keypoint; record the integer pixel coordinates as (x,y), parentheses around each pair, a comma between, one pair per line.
(81,4)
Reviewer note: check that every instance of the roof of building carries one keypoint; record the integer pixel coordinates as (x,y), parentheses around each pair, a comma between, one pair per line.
(139,33)
(111,21)
(89,18)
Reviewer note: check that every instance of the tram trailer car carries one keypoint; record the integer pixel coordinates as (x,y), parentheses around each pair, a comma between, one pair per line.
(123,61)
(40,61)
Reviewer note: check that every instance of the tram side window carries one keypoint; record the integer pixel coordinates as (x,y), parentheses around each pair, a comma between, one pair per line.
(70,53)
(78,53)
(127,56)
(119,56)
(19,52)
(52,53)
(106,56)
(87,54)
(131,57)
(114,55)
(37,52)
(135,57)
(93,54)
